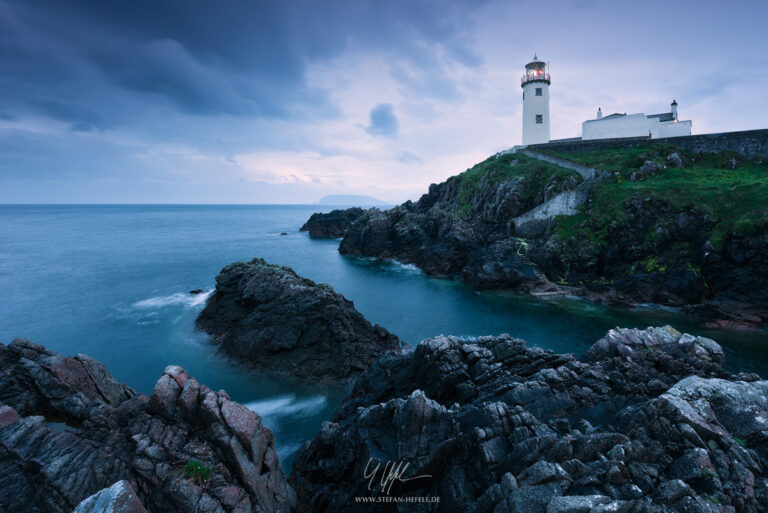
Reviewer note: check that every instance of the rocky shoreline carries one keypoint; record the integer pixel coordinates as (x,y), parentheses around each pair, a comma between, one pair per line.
(184,448)
(652,252)
(646,421)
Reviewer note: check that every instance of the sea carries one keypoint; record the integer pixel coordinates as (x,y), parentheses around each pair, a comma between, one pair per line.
(113,282)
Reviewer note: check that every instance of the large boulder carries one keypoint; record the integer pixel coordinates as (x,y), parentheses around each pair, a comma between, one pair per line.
(332,224)
(276,321)
(185,448)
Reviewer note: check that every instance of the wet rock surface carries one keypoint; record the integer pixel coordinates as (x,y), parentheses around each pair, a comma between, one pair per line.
(333,224)
(645,421)
(276,321)
(148,442)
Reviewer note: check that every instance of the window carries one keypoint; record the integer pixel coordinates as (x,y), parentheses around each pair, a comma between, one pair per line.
(539,118)
(523,95)
(538,91)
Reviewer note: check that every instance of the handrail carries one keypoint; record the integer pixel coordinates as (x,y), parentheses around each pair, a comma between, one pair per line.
(534,78)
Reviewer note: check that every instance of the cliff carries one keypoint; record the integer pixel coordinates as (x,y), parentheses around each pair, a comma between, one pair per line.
(651,224)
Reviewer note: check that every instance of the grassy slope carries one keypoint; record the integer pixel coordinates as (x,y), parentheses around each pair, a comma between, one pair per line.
(737,199)
(495,170)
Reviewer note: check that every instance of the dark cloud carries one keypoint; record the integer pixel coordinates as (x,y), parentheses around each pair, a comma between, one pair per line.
(241,58)
(383,121)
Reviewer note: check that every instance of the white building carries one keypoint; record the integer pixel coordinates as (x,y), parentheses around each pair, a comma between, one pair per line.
(535,84)
(654,126)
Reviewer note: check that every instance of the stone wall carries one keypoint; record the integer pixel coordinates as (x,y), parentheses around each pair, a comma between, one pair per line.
(750,143)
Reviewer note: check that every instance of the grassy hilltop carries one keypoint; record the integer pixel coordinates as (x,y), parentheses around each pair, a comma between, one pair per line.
(731,190)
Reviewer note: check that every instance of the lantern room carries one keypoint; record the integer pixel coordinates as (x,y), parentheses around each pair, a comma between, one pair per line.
(535,71)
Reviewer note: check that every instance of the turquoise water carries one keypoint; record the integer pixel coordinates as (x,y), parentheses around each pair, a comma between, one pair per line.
(112,282)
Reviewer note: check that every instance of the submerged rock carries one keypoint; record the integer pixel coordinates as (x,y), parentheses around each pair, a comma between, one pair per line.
(185,448)
(273,319)
(332,224)
(491,425)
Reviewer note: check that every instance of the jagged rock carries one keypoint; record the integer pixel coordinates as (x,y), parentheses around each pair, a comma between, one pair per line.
(147,442)
(624,342)
(501,427)
(576,504)
(332,224)
(118,498)
(276,321)
(34,379)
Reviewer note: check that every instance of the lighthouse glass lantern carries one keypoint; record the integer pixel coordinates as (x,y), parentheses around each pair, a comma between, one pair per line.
(535,84)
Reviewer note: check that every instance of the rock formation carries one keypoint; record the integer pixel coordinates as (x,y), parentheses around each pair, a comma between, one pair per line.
(118,498)
(647,421)
(332,224)
(185,448)
(636,248)
(269,317)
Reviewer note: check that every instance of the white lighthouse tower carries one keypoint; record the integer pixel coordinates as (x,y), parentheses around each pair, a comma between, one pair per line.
(535,85)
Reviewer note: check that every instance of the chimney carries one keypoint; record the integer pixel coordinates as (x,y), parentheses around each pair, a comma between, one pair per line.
(599,113)
(674,109)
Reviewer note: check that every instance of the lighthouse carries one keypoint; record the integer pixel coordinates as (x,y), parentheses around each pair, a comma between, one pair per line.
(535,84)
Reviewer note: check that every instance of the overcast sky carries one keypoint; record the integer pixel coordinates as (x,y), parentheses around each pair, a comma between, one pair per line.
(283,102)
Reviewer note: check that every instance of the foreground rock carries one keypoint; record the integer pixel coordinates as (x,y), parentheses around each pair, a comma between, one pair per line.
(271,318)
(118,498)
(332,224)
(648,421)
(185,448)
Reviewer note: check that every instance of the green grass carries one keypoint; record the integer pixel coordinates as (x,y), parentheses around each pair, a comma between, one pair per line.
(708,473)
(737,200)
(196,471)
(495,170)
(739,441)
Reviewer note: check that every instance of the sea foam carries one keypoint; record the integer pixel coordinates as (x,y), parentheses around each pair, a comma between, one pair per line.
(179,298)
(288,405)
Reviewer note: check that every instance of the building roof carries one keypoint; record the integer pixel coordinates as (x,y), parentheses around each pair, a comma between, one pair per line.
(664,116)
(615,115)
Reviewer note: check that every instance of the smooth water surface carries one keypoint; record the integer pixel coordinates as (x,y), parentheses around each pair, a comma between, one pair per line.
(113,282)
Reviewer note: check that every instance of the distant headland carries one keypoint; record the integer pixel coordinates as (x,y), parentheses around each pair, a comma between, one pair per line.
(351,200)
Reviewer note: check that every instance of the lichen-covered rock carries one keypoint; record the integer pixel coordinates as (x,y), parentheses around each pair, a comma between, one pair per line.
(185,448)
(276,321)
(646,422)
(332,224)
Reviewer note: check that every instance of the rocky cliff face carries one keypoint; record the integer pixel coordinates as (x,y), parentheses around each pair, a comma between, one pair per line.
(625,247)
(464,225)
(185,448)
(269,317)
(646,421)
